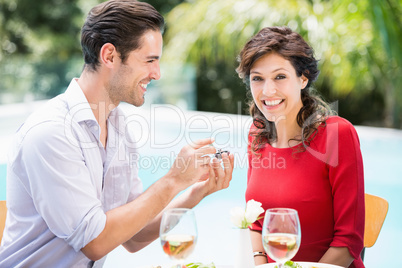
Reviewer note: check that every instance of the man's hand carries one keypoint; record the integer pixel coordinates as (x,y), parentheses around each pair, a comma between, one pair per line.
(192,163)
(219,178)
(191,167)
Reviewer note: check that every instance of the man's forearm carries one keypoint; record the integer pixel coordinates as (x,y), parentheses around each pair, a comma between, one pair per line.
(122,223)
(136,224)
(149,233)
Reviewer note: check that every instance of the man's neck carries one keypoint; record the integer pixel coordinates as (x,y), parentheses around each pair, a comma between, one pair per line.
(93,87)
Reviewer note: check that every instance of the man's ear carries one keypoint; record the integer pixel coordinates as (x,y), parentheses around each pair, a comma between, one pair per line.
(304,81)
(108,55)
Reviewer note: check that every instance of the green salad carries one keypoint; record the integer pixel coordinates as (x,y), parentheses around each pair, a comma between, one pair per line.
(288,264)
(291,264)
(197,265)
(200,265)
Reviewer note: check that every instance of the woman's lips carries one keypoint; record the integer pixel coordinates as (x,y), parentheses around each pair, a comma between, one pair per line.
(271,104)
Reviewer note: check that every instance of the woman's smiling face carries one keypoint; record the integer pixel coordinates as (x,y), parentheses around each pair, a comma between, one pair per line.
(276,88)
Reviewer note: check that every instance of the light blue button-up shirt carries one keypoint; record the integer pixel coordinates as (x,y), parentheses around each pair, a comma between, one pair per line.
(61,181)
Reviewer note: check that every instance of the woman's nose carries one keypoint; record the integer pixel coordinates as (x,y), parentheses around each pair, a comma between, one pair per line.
(269,88)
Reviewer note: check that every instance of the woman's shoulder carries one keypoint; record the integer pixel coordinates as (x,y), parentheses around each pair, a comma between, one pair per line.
(341,123)
(338,119)
(339,128)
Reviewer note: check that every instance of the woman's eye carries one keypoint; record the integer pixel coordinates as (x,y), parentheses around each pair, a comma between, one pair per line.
(280,76)
(256,78)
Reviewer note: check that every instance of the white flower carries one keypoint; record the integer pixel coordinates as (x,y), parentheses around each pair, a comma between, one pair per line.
(244,218)
(237,216)
(253,210)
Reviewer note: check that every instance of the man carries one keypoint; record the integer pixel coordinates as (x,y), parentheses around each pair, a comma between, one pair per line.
(73,194)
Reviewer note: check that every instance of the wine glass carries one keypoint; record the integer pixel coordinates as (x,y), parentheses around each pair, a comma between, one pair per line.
(178,233)
(281,234)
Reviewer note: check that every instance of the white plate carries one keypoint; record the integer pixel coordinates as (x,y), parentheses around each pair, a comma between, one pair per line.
(303,264)
(172,265)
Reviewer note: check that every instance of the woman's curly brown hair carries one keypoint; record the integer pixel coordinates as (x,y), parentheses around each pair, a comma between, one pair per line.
(290,45)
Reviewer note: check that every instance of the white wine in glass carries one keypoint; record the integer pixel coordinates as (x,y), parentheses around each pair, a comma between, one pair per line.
(281,234)
(178,233)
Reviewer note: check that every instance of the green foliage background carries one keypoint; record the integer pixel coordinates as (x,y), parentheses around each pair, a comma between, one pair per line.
(359,44)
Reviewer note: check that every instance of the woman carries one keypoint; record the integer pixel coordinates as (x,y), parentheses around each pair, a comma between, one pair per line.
(300,155)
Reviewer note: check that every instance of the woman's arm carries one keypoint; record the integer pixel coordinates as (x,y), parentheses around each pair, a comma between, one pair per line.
(256,241)
(347,181)
(338,256)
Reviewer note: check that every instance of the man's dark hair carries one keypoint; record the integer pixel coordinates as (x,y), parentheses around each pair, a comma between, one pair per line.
(119,22)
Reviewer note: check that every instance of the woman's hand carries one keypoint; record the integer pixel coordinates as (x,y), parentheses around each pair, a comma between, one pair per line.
(338,256)
(256,241)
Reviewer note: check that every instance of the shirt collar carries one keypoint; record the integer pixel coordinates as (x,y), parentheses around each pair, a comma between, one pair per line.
(77,103)
(117,119)
(81,110)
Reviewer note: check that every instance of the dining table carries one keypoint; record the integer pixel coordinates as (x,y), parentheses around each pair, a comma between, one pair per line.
(267,265)
(302,264)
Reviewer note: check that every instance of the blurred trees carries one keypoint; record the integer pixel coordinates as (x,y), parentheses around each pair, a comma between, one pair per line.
(40,45)
(358,44)
(386,17)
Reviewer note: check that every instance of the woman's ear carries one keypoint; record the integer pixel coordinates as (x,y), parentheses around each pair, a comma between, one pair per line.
(304,81)
(108,55)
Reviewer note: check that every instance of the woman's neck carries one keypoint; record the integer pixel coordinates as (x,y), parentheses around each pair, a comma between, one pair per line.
(288,133)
